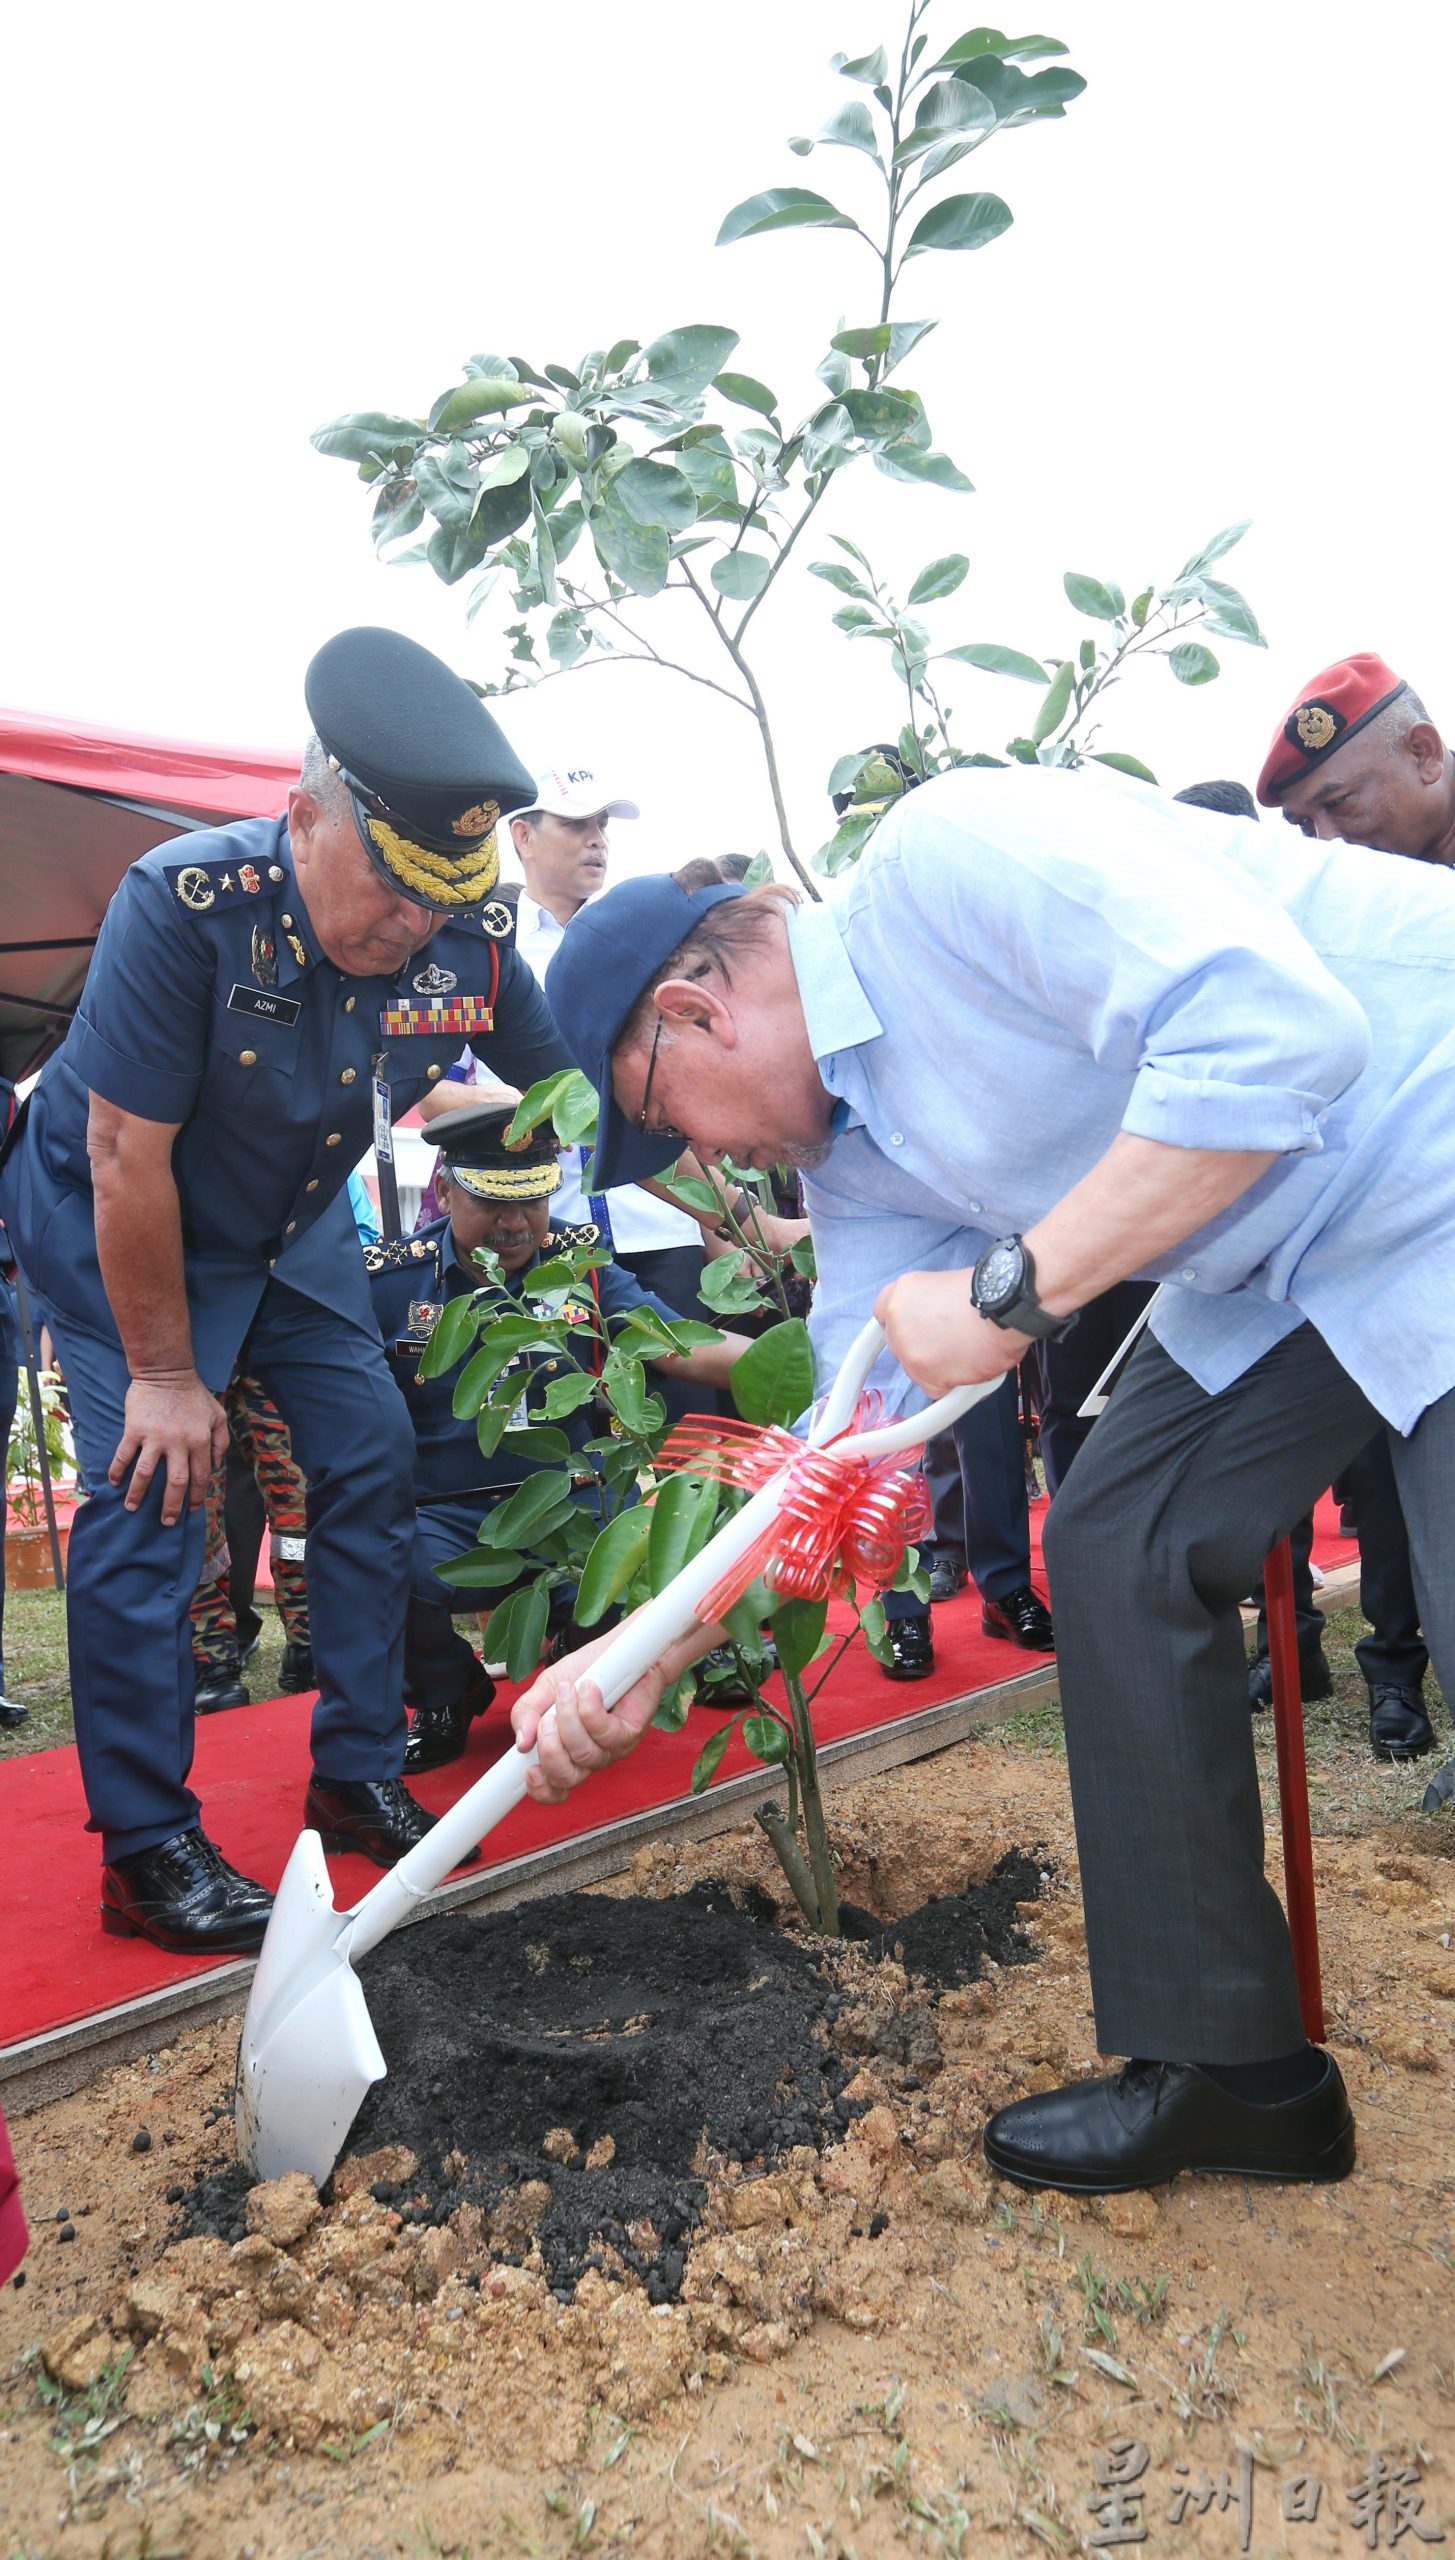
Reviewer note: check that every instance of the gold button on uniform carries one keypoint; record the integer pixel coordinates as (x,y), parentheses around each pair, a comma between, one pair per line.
(333,1138)
(434,1073)
(288,1230)
(275,871)
(313,1185)
(247,1057)
(349,1003)
(347,1076)
(287,923)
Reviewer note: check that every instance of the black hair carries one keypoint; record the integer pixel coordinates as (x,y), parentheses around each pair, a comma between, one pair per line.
(1233,799)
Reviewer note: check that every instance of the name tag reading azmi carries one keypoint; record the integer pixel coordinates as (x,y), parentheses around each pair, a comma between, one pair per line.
(264,1006)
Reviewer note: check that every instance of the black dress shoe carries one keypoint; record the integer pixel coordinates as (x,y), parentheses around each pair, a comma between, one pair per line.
(947,1576)
(376,1816)
(12,1712)
(1022,1617)
(1101,2137)
(1315,1680)
(1399,1728)
(184,1896)
(249,1635)
(912,1646)
(219,1685)
(437,1734)
(295,1671)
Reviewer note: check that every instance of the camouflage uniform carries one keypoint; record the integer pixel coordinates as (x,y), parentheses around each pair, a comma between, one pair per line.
(260,1433)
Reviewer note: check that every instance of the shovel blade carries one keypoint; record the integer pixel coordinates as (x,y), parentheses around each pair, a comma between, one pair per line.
(309,2054)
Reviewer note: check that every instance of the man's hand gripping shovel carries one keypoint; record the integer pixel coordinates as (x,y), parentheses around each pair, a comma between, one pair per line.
(309,2053)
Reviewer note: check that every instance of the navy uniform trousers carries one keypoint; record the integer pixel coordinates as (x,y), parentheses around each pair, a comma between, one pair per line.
(131,1580)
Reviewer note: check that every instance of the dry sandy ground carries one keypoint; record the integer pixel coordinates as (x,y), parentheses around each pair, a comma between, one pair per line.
(877,2349)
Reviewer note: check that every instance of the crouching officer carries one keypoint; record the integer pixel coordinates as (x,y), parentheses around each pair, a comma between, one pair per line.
(495,1198)
(264,998)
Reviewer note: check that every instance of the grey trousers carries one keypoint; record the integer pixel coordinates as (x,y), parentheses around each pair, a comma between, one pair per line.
(1160,1529)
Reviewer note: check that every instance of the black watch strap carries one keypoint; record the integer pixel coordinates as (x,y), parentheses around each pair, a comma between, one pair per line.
(1003,1290)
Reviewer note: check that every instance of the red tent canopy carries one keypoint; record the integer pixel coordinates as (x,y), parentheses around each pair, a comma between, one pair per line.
(77,806)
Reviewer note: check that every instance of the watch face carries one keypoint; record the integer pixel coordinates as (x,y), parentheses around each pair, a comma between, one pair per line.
(1000,1276)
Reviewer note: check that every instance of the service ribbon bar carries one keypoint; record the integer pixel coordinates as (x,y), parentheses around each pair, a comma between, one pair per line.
(461,1014)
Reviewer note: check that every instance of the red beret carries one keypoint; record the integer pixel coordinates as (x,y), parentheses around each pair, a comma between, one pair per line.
(1325,715)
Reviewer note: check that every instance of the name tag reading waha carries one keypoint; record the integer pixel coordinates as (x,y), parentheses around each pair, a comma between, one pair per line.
(265,1006)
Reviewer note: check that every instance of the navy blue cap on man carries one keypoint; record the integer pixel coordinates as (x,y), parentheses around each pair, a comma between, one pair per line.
(610,950)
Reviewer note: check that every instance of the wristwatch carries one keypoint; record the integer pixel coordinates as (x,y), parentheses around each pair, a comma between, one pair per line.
(1003,1289)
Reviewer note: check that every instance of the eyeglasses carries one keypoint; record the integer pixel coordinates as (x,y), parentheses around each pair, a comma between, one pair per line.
(666,1130)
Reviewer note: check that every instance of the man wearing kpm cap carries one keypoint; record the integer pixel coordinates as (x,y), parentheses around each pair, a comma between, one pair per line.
(499,1195)
(263,998)
(1196,1053)
(1358,759)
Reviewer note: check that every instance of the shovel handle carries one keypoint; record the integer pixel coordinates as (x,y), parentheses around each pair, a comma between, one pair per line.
(641,1641)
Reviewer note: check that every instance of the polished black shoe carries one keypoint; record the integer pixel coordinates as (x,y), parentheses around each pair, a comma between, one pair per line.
(12,1712)
(249,1635)
(1315,1680)
(219,1685)
(1154,2119)
(912,1647)
(947,1576)
(184,1896)
(1022,1617)
(376,1816)
(437,1734)
(295,1671)
(1399,1728)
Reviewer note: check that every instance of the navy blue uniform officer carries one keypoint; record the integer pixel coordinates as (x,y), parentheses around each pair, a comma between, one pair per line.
(262,998)
(496,1199)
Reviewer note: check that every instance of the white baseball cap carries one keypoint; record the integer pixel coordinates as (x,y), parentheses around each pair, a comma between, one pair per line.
(572,791)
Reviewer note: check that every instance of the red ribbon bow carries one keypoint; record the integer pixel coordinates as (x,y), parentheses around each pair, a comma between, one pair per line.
(842,1518)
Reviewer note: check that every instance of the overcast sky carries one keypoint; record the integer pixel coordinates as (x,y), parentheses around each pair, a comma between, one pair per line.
(1224,295)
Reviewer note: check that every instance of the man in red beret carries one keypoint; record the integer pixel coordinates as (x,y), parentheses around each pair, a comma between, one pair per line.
(1358,757)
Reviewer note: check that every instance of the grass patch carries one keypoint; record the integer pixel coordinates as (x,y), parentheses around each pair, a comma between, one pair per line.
(37,1671)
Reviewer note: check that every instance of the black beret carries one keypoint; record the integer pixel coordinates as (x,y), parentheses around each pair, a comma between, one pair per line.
(428,770)
(478,1155)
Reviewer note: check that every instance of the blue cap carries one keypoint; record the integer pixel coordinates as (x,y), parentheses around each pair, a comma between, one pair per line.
(608,953)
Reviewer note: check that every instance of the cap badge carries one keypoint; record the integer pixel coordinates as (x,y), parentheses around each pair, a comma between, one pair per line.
(516,1146)
(194,888)
(1313,726)
(477,821)
(434,981)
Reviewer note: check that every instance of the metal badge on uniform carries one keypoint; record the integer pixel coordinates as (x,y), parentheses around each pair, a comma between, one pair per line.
(267,1008)
(434,981)
(265,958)
(424,1315)
(383,1121)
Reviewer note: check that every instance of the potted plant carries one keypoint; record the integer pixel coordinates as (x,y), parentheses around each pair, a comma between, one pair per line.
(28,1563)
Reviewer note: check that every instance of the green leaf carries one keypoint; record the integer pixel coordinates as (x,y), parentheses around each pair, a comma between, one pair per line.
(455,1328)
(709,1759)
(960,222)
(773,1380)
(950,108)
(656,493)
(567,1395)
(532,1440)
(728,1286)
(798,1627)
(681,1515)
(549,1098)
(486,1569)
(1126,764)
(983,40)
(1229,615)
(876,1633)
(905,462)
(477,398)
(767,1739)
(1057,703)
(853,126)
(1141,606)
(883,417)
(518,1630)
(868,67)
(747,392)
(855,618)
(638,554)
(863,343)
(1191,663)
(685,360)
(367,434)
(516,1520)
(741,574)
(501,1342)
(565,639)
(995,661)
(847,842)
(1214,550)
(835,574)
(1088,595)
(781,209)
(941,578)
(1018,98)
(616,1557)
(498,470)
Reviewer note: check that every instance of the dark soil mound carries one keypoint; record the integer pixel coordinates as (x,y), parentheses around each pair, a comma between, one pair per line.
(644,2038)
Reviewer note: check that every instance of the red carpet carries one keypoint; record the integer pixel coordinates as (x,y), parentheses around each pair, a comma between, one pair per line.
(252,1768)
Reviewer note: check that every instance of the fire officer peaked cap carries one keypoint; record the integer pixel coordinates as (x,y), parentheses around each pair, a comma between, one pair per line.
(481,1158)
(428,771)
(1330,710)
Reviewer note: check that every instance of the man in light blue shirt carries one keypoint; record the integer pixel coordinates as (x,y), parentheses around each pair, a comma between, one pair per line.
(1058,1032)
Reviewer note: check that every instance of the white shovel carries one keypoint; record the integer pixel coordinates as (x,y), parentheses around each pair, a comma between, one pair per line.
(309,2053)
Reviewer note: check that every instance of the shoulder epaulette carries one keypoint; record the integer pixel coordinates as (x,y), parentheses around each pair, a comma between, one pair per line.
(204,886)
(499,920)
(585,1234)
(402,1255)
